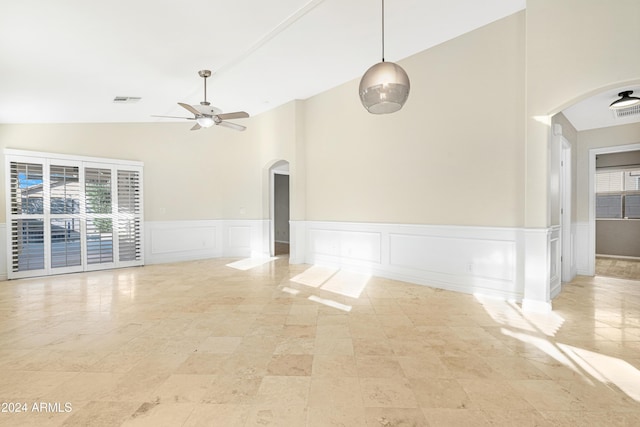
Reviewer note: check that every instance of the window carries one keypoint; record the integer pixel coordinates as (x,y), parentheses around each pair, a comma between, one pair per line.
(72,214)
(618,193)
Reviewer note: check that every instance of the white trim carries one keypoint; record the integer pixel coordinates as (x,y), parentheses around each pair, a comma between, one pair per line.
(568,238)
(66,157)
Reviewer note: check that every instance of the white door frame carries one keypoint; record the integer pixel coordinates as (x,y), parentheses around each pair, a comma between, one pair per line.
(566,197)
(277,170)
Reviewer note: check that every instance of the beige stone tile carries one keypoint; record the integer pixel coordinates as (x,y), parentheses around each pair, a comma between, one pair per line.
(494,395)
(336,366)
(230,389)
(547,395)
(101,414)
(378,366)
(295,345)
(333,346)
(246,365)
(274,390)
(372,347)
(85,386)
(277,416)
(152,414)
(31,384)
(205,336)
(424,367)
(219,345)
(290,365)
(183,388)
(512,367)
(227,415)
(331,392)
(468,367)
(353,416)
(455,417)
(117,362)
(387,393)
(400,417)
(440,393)
(204,364)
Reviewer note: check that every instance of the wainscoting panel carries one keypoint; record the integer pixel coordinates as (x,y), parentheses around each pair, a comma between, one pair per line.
(480,260)
(181,241)
(347,245)
(190,240)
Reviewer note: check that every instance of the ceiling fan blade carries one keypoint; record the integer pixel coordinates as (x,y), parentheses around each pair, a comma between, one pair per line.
(232,126)
(190,108)
(196,127)
(175,117)
(236,115)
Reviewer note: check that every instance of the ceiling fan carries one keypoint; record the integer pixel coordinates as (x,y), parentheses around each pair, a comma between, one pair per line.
(206,115)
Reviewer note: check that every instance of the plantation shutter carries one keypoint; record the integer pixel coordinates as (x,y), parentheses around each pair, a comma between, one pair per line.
(26,216)
(129,216)
(68,214)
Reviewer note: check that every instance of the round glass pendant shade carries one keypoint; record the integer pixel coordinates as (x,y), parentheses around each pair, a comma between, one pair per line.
(384,88)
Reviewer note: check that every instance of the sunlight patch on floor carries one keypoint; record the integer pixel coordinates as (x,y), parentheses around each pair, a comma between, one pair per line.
(249,263)
(346,283)
(508,313)
(607,369)
(330,303)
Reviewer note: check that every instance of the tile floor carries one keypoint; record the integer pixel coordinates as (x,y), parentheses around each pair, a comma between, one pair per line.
(623,268)
(238,343)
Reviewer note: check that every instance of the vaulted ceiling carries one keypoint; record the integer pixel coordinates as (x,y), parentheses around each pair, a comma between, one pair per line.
(65,61)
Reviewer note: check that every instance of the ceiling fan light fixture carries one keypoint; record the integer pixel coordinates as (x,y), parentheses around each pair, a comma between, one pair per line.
(384,87)
(626,100)
(205,121)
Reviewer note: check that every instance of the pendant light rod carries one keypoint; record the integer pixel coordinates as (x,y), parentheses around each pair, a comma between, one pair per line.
(382,30)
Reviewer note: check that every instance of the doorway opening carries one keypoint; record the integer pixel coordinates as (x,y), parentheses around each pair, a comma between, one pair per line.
(280,207)
(601,228)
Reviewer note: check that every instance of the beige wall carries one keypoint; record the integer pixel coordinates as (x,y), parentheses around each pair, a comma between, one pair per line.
(575,48)
(469,148)
(208,174)
(452,155)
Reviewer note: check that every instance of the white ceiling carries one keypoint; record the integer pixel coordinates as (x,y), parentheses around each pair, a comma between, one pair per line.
(65,61)
(594,112)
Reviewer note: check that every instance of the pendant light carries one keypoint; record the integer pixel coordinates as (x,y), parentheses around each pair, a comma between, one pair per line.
(384,88)
(625,101)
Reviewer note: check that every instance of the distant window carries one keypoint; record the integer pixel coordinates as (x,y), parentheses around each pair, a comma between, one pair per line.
(618,193)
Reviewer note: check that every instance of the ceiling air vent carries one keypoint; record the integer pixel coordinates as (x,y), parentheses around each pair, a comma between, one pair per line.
(627,112)
(126,99)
